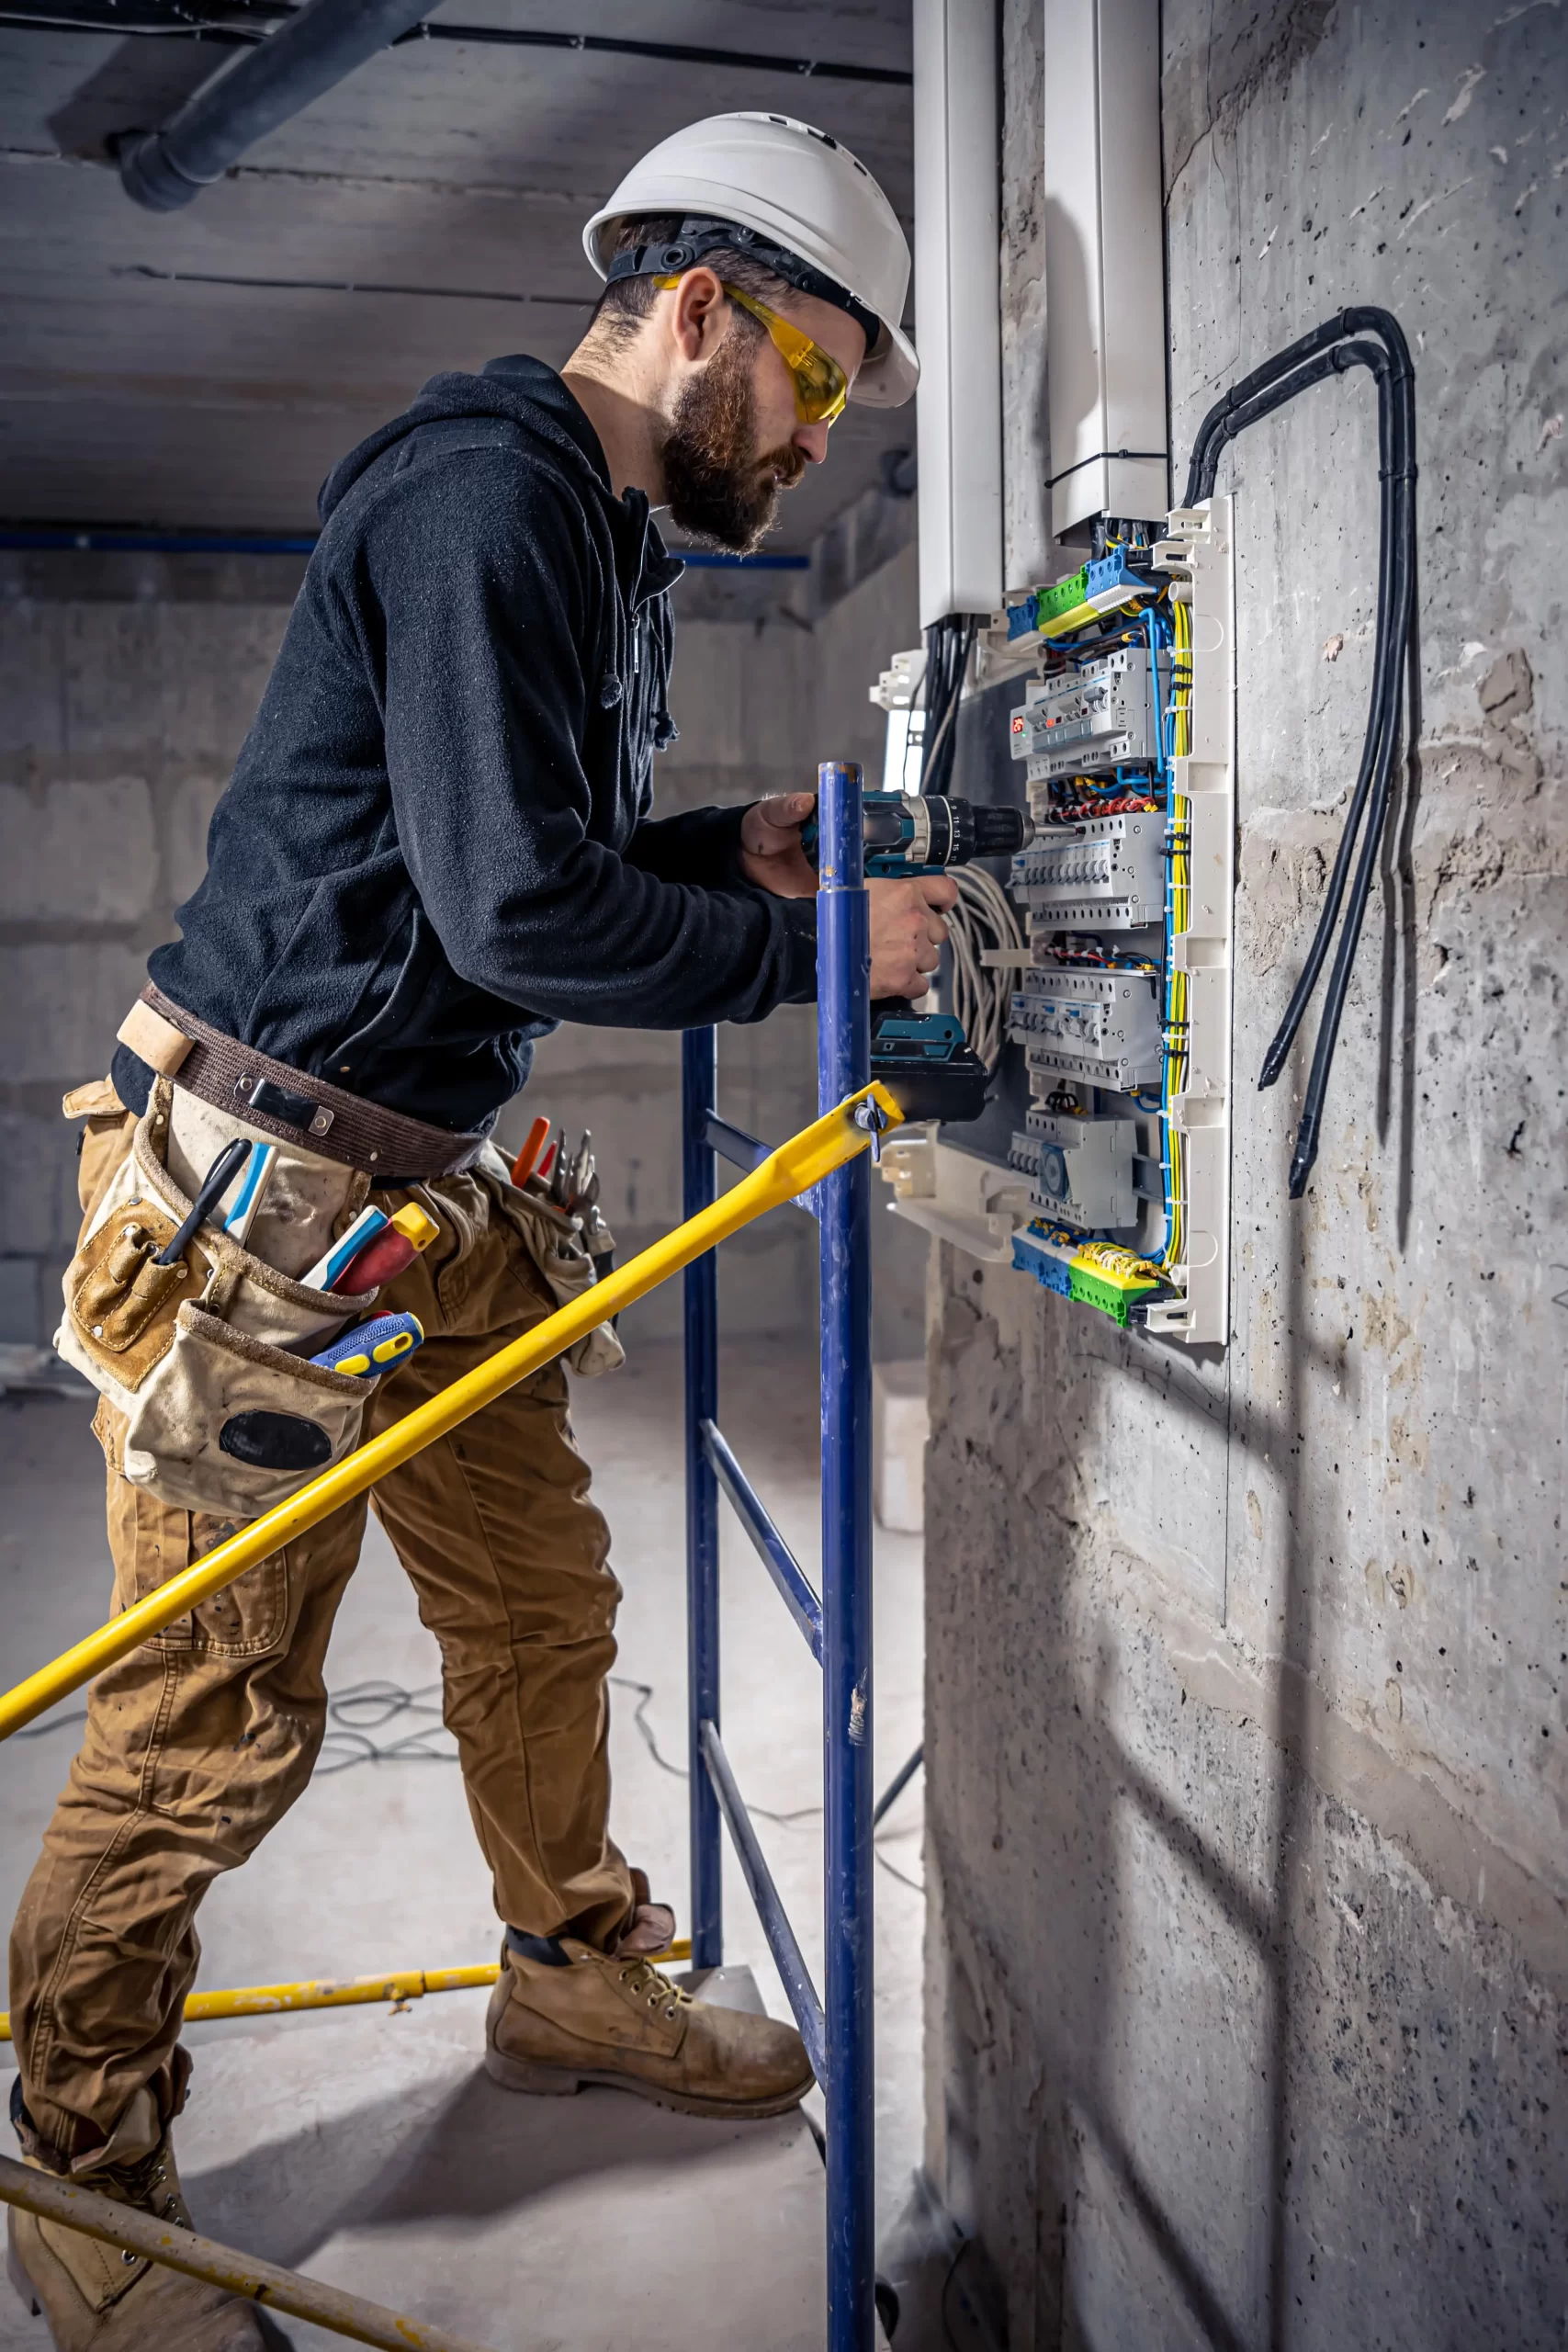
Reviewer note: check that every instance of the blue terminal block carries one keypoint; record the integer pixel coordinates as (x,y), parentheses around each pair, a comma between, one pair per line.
(1048,1259)
(1113,580)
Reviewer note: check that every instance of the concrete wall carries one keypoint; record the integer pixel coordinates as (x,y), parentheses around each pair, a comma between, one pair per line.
(1246,1751)
(126,687)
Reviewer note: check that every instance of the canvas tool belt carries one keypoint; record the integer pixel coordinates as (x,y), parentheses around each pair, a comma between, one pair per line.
(384,1145)
(207,1361)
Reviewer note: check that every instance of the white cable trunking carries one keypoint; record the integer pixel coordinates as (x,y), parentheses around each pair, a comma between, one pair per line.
(1200,550)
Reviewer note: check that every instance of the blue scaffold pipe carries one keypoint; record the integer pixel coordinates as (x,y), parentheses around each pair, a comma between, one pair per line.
(793,1974)
(698,1079)
(785,1570)
(843,1058)
(734,1143)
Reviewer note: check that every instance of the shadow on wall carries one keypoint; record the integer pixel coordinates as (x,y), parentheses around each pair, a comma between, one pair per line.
(1184,2001)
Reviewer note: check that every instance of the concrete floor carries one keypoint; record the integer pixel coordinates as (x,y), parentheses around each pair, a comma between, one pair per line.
(365,2146)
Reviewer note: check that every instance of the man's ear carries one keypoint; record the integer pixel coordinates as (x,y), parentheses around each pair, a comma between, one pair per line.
(698,317)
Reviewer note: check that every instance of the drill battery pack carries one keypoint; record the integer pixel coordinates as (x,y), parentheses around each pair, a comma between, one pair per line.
(926,1064)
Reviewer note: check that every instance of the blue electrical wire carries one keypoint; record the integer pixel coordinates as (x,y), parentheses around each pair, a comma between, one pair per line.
(1159,635)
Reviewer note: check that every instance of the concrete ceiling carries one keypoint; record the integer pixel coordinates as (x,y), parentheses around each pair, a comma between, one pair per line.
(201,371)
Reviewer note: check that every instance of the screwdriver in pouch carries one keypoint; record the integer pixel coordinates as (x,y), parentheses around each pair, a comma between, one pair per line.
(334,1263)
(388,1252)
(214,1185)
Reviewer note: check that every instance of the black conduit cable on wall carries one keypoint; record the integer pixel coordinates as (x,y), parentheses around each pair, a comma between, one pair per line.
(1328,350)
(1343,356)
(316,48)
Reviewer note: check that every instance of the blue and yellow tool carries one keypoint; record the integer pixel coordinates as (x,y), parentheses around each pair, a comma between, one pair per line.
(372,1348)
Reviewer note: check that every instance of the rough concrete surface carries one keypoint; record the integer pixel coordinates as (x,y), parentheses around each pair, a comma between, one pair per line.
(1247,1748)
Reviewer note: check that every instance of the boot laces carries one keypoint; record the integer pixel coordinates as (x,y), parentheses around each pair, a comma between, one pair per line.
(144,2181)
(644,1982)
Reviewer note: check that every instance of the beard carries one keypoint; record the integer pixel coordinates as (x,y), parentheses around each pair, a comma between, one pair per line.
(718,493)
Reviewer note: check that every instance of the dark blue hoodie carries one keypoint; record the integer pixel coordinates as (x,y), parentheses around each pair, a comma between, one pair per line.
(437,842)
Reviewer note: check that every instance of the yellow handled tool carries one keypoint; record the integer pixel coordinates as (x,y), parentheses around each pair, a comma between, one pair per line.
(786,1173)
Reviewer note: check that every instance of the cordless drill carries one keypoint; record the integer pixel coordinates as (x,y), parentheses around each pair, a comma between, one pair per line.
(905,833)
(923,1059)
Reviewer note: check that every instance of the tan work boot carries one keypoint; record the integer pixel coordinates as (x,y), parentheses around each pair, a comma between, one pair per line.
(594,2017)
(98,2298)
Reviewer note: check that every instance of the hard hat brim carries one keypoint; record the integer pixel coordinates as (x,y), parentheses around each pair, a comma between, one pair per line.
(890,378)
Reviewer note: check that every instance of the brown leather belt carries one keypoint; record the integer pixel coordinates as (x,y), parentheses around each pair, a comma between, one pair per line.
(285,1103)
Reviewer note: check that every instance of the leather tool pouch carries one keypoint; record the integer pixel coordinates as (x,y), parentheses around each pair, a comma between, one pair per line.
(221,1415)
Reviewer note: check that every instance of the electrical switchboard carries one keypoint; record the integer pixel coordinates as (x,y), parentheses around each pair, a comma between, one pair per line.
(1123,1012)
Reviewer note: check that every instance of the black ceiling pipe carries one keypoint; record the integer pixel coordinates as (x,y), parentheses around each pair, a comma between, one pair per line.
(309,53)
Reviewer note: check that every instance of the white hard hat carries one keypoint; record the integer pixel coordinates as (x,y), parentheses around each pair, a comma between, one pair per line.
(799,191)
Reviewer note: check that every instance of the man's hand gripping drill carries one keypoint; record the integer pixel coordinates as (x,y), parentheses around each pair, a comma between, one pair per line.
(907,928)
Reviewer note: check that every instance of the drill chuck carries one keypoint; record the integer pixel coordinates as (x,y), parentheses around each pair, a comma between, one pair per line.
(905,833)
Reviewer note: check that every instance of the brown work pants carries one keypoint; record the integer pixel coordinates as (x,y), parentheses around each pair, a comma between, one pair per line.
(200,1740)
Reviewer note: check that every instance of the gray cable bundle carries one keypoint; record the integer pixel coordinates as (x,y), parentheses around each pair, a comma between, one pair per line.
(982,918)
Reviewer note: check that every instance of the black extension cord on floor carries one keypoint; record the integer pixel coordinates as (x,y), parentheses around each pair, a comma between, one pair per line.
(1329,350)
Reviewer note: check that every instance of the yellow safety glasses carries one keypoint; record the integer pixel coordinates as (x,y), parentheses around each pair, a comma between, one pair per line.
(821,387)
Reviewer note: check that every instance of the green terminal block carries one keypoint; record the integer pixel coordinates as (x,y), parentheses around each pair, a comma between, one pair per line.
(1065,597)
(1112,1294)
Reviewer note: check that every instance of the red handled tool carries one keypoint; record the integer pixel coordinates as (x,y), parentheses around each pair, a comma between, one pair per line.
(388,1253)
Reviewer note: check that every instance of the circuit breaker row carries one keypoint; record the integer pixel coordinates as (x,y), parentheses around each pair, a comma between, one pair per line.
(1104,871)
(1102,714)
(1102,1028)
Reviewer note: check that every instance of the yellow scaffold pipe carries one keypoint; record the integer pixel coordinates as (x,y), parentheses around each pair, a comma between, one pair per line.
(142,2233)
(786,1173)
(350,1992)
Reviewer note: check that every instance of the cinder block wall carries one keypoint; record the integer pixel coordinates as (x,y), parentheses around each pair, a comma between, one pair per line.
(1247,1755)
(126,687)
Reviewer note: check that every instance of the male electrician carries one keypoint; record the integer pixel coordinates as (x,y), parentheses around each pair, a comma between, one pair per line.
(437,844)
